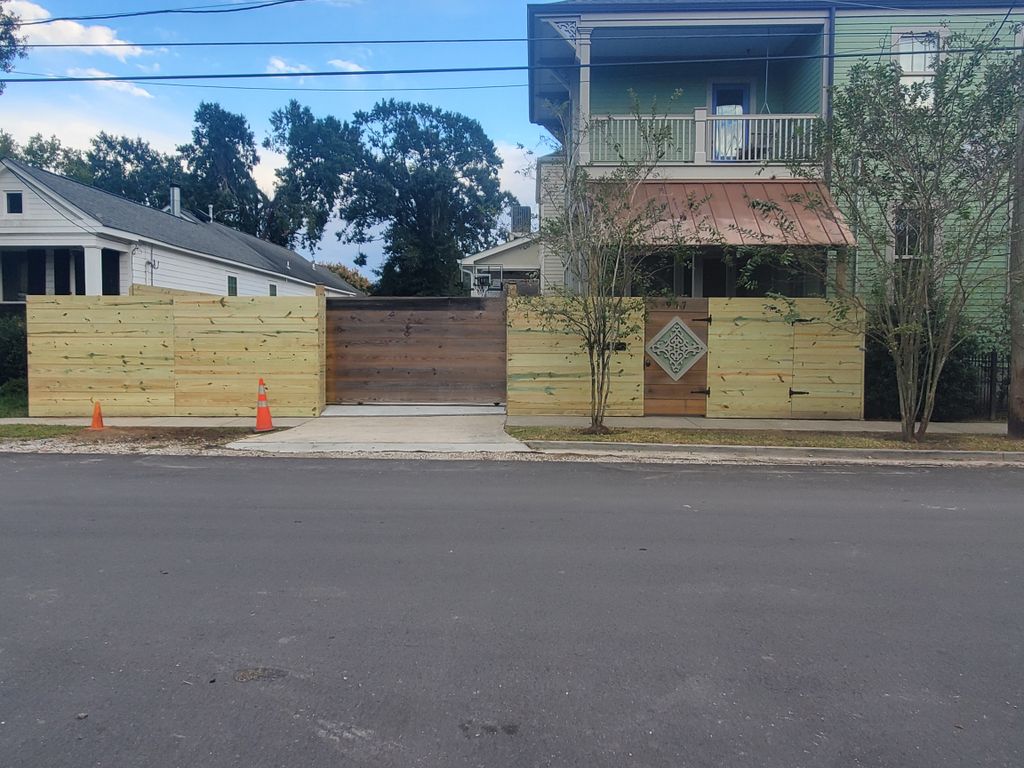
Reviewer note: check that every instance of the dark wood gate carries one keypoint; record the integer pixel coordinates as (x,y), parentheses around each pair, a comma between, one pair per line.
(397,350)
(671,351)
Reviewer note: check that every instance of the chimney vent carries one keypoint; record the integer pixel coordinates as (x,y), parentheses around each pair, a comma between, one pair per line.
(176,200)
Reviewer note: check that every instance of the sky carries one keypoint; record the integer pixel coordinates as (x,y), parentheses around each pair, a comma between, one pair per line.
(162,114)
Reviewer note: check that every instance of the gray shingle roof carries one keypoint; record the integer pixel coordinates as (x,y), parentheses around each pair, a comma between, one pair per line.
(189,233)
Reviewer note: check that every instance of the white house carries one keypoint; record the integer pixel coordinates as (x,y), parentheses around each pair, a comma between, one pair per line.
(60,237)
(516,262)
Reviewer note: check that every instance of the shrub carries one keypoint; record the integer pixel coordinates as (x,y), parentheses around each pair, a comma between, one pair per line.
(956,399)
(13,349)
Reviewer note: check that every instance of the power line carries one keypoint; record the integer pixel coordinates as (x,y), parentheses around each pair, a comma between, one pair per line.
(196,10)
(446,41)
(468,70)
(496,86)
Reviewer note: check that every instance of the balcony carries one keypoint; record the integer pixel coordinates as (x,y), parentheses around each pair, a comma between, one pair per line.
(705,139)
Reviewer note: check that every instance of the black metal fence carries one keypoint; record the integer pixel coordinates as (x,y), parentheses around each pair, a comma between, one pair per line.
(992,383)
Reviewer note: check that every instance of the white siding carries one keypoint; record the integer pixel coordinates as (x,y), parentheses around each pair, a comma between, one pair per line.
(183,272)
(40,216)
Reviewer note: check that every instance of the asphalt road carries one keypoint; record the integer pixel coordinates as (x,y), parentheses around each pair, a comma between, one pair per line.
(255,612)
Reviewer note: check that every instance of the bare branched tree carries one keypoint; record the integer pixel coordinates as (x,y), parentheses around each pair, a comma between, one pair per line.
(922,170)
(604,218)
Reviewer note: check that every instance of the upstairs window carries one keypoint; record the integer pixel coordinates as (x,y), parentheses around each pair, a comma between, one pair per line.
(15,203)
(232,285)
(909,233)
(917,54)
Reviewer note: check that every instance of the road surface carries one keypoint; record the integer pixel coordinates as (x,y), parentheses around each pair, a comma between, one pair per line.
(257,612)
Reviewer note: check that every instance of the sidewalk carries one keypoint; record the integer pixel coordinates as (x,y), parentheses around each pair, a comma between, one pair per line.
(784,425)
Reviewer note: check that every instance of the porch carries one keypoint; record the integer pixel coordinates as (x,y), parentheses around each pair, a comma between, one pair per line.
(62,271)
(704,139)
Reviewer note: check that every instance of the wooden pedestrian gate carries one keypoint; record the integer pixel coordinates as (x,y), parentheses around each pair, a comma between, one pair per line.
(676,357)
(416,350)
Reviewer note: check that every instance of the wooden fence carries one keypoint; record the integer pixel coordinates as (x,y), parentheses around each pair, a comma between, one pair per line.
(783,360)
(549,374)
(174,355)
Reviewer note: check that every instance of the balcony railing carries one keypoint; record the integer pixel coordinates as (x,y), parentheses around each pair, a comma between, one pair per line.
(709,139)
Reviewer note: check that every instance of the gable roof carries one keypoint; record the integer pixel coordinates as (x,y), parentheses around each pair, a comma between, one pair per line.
(187,232)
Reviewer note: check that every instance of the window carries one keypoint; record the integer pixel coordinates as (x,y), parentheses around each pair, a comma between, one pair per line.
(15,203)
(917,54)
(908,230)
(232,285)
(273,290)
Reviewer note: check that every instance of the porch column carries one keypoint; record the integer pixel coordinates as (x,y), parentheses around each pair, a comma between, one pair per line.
(72,282)
(583,54)
(93,271)
(700,136)
(51,288)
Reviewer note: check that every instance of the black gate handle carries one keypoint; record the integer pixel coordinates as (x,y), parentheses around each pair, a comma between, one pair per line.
(793,392)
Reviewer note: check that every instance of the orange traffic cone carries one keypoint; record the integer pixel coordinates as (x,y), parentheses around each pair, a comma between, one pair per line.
(263,421)
(97,418)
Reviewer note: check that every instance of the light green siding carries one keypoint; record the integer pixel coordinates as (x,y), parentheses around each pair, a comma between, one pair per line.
(794,85)
(872,35)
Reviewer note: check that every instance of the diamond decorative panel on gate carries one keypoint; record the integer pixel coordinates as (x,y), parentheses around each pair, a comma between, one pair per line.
(676,349)
(676,359)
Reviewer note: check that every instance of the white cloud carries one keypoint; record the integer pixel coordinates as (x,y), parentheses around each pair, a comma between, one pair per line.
(71,32)
(277,65)
(346,66)
(129,88)
(517,174)
(263,173)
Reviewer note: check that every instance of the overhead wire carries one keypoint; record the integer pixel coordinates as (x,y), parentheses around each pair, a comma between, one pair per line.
(465,70)
(220,8)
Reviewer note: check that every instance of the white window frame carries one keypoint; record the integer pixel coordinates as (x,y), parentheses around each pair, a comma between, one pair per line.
(898,33)
(228,288)
(18,192)
(272,289)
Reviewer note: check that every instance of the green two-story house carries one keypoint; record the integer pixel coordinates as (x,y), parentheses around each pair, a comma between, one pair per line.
(743,86)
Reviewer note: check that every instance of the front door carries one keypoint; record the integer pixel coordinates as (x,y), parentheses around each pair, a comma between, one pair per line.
(676,360)
(729,136)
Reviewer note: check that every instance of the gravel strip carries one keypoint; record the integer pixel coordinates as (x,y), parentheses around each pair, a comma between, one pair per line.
(65,445)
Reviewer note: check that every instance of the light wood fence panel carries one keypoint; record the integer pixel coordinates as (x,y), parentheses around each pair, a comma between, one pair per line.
(548,372)
(118,350)
(776,360)
(174,356)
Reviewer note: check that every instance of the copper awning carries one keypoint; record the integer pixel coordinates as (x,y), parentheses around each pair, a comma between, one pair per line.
(727,213)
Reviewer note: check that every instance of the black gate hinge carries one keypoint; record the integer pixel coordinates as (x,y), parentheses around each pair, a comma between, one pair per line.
(705,391)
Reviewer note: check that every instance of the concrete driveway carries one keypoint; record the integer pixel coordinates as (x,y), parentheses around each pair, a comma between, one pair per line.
(394,429)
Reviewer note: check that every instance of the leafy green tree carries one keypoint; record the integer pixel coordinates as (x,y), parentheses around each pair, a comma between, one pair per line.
(12,46)
(429,179)
(51,155)
(922,171)
(320,153)
(219,166)
(8,145)
(352,277)
(132,168)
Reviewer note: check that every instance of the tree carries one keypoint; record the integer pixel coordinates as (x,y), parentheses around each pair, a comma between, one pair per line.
(8,145)
(922,172)
(133,169)
(429,179)
(219,164)
(12,47)
(51,155)
(601,225)
(320,153)
(352,277)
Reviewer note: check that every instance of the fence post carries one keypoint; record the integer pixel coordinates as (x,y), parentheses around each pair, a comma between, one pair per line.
(993,385)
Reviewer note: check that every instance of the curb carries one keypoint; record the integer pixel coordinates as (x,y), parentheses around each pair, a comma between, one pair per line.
(862,455)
